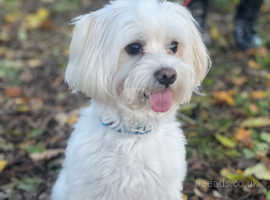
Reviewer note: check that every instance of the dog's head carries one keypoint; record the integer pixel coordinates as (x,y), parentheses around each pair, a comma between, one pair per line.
(138,54)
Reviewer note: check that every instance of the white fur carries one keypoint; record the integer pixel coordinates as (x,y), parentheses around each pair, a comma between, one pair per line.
(101,163)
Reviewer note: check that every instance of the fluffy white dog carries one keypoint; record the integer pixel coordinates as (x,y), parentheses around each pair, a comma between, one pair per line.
(138,60)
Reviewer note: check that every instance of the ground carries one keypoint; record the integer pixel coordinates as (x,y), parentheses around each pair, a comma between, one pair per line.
(227,128)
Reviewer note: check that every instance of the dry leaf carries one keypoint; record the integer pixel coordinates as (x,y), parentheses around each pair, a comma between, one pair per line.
(224,97)
(33,63)
(239,80)
(47,25)
(243,135)
(72,120)
(185,197)
(13,92)
(253,108)
(262,51)
(253,65)
(3,164)
(11,17)
(259,94)
(268,84)
(36,20)
(47,154)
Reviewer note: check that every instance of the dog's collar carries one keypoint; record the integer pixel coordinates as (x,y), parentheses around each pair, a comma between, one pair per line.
(138,130)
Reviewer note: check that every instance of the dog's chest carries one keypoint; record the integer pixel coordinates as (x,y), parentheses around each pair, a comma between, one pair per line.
(159,155)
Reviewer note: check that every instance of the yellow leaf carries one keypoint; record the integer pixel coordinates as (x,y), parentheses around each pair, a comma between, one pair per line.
(184,197)
(32,21)
(33,63)
(225,141)
(43,14)
(11,17)
(224,97)
(3,164)
(253,65)
(259,94)
(214,33)
(72,120)
(36,20)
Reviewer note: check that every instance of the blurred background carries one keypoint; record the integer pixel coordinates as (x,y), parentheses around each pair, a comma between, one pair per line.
(228,128)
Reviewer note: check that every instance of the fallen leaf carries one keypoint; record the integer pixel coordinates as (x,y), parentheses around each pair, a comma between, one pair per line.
(256,122)
(47,25)
(23,108)
(259,171)
(13,92)
(11,17)
(185,197)
(259,94)
(46,155)
(72,120)
(36,20)
(243,135)
(33,63)
(36,104)
(262,51)
(265,136)
(225,141)
(239,80)
(224,97)
(253,65)
(253,108)
(268,84)
(3,164)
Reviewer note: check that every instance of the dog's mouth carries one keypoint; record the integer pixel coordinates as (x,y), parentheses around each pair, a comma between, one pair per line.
(160,101)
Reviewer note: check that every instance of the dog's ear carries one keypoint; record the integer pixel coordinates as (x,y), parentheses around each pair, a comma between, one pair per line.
(86,68)
(194,53)
(200,59)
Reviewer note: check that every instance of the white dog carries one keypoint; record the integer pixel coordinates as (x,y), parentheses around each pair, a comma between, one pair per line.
(138,60)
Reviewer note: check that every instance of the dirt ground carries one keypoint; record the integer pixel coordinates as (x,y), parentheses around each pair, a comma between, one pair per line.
(228,128)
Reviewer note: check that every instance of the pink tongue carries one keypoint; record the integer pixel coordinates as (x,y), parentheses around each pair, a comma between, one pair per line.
(161,101)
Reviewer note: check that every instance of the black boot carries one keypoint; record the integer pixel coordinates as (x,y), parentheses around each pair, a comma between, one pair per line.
(198,9)
(245,20)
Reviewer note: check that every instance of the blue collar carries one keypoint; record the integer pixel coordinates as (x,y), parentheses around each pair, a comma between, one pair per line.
(136,131)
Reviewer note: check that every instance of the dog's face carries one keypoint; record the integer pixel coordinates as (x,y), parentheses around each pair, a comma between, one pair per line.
(137,54)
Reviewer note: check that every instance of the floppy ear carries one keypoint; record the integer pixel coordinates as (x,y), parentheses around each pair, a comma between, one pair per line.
(200,59)
(85,70)
(194,52)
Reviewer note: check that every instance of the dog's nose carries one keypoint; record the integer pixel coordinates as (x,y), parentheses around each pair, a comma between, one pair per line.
(165,76)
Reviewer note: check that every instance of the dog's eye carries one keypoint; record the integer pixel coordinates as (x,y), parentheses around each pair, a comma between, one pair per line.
(174,46)
(134,49)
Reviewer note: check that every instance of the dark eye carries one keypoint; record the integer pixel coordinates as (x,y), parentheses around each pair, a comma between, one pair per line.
(134,49)
(174,46)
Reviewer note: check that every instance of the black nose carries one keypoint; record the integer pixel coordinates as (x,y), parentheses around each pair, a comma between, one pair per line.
(165,76)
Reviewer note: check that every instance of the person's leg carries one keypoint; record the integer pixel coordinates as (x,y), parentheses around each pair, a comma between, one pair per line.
(245,20)
(199,9)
